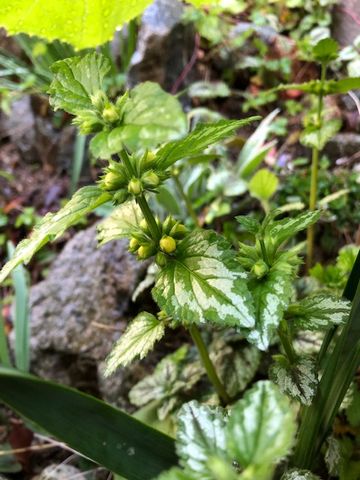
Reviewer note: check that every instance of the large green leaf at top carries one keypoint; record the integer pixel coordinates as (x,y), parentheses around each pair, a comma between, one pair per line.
(204,135)
(53,225)
(203,282)
(261,427)
(75,80)
(200,435)
(81,23)
(96,430)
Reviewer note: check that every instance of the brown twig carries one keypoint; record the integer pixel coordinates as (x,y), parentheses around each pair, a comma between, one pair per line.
(188,67)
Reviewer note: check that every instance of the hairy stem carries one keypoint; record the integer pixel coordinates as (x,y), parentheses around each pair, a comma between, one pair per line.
(286,341)
(187,201)
(314,177)
(208,365)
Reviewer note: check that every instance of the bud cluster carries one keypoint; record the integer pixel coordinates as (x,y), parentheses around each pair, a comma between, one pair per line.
(144,245)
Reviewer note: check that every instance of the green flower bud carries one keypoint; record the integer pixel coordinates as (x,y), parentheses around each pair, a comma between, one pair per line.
(99,100)
(150,179)
(110,114)
(120,196)
(135,186)
(133,245)
(112,181)
(167,244)
(161,259)
(148,160)
(146,251)
(178,231)
(168,224)
(260,269)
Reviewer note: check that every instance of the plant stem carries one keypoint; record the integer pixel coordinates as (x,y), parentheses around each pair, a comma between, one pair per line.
(149,217)
(187,201)
(314,177)
(264,252)
(208,365)
(286,342)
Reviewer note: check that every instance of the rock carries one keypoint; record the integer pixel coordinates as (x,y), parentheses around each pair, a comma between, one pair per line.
(164,45)
(346,21)
(343,145)
(78,311)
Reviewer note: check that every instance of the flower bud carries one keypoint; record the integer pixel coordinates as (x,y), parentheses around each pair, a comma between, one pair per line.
(112,181)
(178,231)
(109,114)
(99,100)
(133,245)
(135,186)
(120,196)
(168,224)
(146,251)
(167,244)
(148,160)
(260,269)
(150,179)
(161,259)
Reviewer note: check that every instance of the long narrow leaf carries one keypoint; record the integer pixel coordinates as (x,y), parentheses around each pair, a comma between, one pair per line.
(4,350)
(339,371)
(21,315)
(98,431)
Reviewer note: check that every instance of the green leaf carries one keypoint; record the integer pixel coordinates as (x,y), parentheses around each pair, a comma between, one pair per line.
(206,90)
(263,184)
(271,296)
(298,380)
(353,410)
(315,137)
(83,24)
(200,435)
(282,230)
(319,312)
(299,475)
(345,85)
(205,283)
(176,474)
(137,341)
(151,116)
(250,224)
(76,79)
(261,427)
(121,223)
(326,50)
(53,225)
(204,135)
(89,426)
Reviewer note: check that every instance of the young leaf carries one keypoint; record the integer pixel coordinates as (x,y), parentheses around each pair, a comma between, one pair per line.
(76,79)
(120,224)
(139,339)
(263,184)
(282,230)
(319,312)
(299,475)
(204,135)
(83,24)
(151,116)
(250,224)
(298,380)
(315,137)
(205,283)
(271,296)
(53,225)
(344,85)
(326,50)
(200,435)
(261,427)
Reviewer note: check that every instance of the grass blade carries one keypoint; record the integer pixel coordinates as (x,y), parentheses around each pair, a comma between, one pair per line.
(98,431)
(21,315)
(4,349)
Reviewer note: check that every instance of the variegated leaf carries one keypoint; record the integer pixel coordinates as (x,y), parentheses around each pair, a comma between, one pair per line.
(298,380)
(53,225)
(299,475)
(139,339)
(319,312)
(200,435)
(261,427)
(205,283)
(121,223)
(271,296)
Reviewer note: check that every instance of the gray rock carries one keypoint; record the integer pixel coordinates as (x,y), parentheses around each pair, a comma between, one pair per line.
(343,145)
(345,21)
(78,311)
(164,45)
